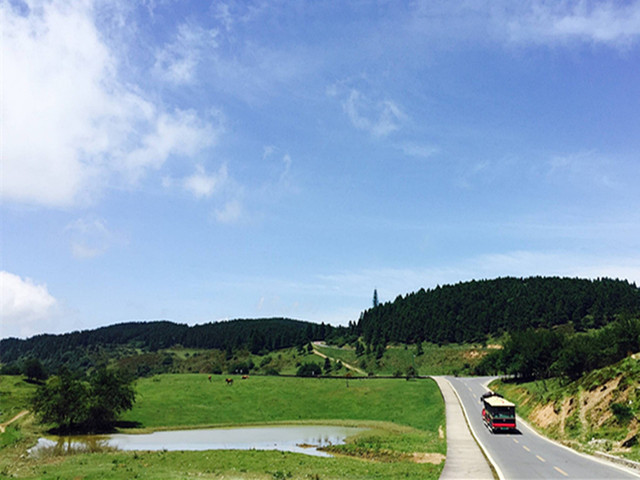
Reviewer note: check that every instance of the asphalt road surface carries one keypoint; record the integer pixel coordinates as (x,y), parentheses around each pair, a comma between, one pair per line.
(526,455)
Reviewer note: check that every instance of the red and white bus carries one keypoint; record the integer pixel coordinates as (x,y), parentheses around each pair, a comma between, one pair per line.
(498,414)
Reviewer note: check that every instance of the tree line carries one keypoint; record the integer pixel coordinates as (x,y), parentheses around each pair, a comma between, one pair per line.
(84,350)
(476,310)
(560,352)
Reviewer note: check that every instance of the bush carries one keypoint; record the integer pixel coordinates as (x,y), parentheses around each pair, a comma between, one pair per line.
(309,370)
(622,412)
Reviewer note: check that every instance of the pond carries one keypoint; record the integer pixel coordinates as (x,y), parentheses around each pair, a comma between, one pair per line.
(305,439)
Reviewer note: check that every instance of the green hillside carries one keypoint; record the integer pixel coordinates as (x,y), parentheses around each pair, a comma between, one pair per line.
(473,311)
(600,411)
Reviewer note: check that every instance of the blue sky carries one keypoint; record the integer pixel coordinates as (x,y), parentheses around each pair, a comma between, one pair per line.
(199,161)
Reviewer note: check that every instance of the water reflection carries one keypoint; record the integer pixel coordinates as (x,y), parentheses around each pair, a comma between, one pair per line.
(300,439)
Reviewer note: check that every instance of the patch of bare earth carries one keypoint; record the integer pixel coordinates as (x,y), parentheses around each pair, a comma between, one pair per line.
(596,402)
(544,415)
(433,458)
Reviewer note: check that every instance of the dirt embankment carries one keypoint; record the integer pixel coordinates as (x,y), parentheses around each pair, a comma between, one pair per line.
(588,417)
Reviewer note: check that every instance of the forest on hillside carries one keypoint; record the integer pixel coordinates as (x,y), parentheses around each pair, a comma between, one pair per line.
(473,311)
(463,313)
(85,349)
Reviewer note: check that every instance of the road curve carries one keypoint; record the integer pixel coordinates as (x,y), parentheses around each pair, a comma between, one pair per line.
(525,454)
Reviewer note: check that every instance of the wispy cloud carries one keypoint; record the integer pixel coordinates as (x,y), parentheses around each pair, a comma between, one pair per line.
(230,212)
(584,168)
(378,118)
(202,184)
(177,62)
(610,23)
(418,150)
(90,237)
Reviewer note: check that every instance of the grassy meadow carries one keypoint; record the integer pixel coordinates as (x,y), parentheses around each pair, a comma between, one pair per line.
(403,420)
(435,359)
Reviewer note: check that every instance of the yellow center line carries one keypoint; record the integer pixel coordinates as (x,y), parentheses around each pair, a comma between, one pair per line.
(474,396)
(561,471)
(540,458)
(526,448)
(515,440)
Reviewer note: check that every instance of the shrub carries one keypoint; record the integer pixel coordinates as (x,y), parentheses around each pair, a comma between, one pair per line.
(309,370)
(622,412)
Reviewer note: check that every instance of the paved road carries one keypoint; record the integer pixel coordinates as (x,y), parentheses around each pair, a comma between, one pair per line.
(525,454)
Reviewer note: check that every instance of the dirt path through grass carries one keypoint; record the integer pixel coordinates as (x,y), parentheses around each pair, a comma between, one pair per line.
(346,365)
(4,425)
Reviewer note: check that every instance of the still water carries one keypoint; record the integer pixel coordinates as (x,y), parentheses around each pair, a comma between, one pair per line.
(300,439)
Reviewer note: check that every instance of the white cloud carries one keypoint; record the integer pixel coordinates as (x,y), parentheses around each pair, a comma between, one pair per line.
(24,305)
(69,125)
(378,118)
(182,133)
(612,23)
(204,185)
(178,61)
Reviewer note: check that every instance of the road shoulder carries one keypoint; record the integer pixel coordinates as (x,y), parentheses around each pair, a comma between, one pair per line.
(464,458)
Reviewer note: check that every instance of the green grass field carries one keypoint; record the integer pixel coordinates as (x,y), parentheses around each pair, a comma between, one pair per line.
(436,360)
(403,418)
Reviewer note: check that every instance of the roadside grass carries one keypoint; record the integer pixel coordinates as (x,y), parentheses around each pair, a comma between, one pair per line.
(402,418)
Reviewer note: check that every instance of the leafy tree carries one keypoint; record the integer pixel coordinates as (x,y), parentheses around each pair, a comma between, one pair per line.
(61,401)
(359,349)
(72,404)
(34,370)
(419,349)
(110,393)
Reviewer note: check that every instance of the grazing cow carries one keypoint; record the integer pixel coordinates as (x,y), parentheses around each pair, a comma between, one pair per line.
(209,377)
(244,377)
(229,381)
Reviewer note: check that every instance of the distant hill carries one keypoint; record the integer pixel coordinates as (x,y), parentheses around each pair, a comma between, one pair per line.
(76,348)
(472,311)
